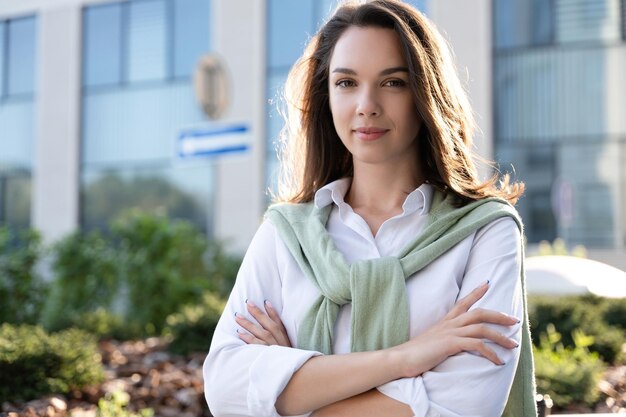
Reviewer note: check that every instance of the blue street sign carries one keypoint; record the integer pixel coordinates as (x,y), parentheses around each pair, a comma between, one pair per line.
(213,141)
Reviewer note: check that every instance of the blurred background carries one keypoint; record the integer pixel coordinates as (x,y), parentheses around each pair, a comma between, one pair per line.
(138,151)
(96,94)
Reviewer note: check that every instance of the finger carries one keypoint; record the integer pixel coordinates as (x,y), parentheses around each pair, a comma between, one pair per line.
(475,345)
(466,302)
(481,331)
(273,314)
(481,315)
(250,339)
(267,323)
(256,330)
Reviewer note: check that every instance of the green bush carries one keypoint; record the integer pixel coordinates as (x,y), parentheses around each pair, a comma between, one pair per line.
(570,375)
(191,330)
(34,363)
(105,324)
(22,291)
(162,267)
(86,279)
(570,314)
(124,284)
(222,268)
(615,312)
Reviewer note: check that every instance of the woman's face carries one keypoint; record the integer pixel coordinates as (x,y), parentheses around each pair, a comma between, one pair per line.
(370,98)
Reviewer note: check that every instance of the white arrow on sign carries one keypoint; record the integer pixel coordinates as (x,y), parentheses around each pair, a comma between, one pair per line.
(213,141)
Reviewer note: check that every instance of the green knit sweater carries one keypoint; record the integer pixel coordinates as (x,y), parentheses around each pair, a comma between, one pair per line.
(377,289)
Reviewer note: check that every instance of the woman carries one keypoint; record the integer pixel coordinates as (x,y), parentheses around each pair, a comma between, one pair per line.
(392,270)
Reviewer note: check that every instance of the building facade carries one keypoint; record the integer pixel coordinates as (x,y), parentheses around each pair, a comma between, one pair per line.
(94,95)
(559,100)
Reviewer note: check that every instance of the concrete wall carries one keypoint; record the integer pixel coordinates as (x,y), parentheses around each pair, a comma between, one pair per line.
(472,47)
(239,33)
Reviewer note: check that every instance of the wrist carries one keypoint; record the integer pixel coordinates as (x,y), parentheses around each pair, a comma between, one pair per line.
(395,363)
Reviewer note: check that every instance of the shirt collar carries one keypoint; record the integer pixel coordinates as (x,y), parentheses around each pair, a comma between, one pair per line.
(334,192)
(419,199)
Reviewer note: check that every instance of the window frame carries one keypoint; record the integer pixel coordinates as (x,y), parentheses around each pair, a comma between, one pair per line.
(169,45)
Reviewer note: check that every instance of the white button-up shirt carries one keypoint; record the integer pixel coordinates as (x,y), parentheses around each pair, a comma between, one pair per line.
(245,380)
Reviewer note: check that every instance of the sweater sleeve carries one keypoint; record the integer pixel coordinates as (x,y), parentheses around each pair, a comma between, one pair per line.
(468,384)
(241,379)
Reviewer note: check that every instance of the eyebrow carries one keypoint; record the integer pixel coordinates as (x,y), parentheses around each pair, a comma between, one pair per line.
(387,71)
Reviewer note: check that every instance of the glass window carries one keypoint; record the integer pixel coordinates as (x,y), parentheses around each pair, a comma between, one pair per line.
(147,50)
(17,190)
(624,20)
(290,24)
(136,125)
(183,193)
(540,157)
(588,21)
(2,53)
(191,34)
(524,23)
(505,23)
(542,221)
(542,32)
(16,134)
(21,56)
(102,45)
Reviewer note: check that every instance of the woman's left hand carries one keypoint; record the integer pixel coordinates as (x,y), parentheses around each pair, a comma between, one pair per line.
(269,330)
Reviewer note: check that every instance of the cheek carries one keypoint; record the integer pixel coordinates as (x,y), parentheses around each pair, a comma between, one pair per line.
(338,110)
(413,121)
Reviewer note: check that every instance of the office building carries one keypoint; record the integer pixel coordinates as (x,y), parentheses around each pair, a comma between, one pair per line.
(97,96)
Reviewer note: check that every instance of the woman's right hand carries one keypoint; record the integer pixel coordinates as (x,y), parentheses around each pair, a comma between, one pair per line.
(460,330)
(268,330)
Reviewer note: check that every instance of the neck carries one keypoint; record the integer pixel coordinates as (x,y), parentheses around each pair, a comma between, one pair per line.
(382,188)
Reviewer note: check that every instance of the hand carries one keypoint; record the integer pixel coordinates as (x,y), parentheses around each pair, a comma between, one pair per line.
(460,330)
(269,330)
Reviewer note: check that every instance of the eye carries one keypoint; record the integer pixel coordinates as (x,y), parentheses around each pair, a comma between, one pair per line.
(345,83)
(394,83)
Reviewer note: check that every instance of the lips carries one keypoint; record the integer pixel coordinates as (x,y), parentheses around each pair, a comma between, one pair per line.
(370,133)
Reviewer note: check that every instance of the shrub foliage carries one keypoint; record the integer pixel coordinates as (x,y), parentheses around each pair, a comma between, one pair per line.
(34,363)
(568,374)
(126,283)
(22,291)
(594,316)
(86,278)
(192,328)
(162,267)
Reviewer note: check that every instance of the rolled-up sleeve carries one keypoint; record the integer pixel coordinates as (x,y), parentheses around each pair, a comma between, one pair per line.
(241,379)
(468,384)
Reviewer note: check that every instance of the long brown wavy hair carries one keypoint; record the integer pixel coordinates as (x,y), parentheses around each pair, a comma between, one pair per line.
(312,153)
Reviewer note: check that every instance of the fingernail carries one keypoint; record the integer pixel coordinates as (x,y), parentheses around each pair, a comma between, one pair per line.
(514,342)
(517,321)
(267,303)
(235,314)
(246,302)
(487,283)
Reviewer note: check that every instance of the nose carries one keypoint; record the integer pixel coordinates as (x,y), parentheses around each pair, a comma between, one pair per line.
(368,104)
